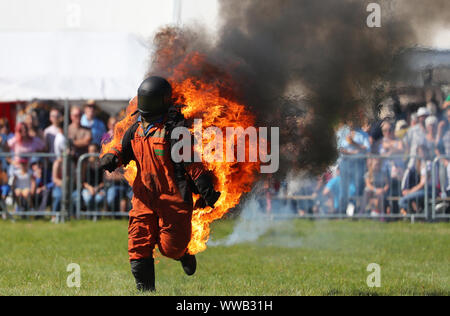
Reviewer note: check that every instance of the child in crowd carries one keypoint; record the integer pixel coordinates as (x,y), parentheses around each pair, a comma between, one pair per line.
(4,192)
(377,187)
(23,185)
(93,193)
(41,194)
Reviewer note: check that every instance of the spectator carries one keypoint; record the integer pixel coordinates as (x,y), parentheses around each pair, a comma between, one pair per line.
(41,110)
(33,129)
(446,103)
(23,143)
(271,188)
(41,193)
(5,133)
(413,119)
(401,128)
(297,186)
(443,148)
(433,98)
(79,136)
(396,165)
(389,144)
(51,131)
(442,129)
(416,135)
(117,191)
(57,184)
(444,141)
(332,194)
(432,142)
(23,185)
(60,142)
(5,136)
(93,194)
(96,126)
(352,141)
(4,193)
(377,187)
(414,181)
(57,179)
(4,186)
(375,131)
(317,194)
(108,136)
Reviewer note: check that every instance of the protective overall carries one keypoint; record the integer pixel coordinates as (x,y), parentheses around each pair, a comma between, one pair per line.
(162,190)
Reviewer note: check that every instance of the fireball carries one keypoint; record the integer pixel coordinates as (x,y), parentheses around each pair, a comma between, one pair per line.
(202,99)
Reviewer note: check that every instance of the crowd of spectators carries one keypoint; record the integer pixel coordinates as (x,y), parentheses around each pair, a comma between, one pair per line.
(34,182)
(384,167)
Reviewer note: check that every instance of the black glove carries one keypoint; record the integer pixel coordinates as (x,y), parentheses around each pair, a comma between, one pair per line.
(210,201)
(212,198)
(109,162)
(200,203)
(205,187)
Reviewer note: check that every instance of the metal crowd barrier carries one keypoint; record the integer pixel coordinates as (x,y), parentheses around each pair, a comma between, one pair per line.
(42,205)
(352,178)
(39,203)
(439,164)
(356,169)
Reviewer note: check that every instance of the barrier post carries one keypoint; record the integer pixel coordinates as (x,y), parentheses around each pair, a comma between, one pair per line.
(65,193)
(433,182)
(426,194)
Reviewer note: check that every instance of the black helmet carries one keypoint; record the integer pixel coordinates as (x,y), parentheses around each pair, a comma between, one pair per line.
(154,96)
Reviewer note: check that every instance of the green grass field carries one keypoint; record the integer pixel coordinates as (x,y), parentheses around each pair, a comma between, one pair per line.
(331,259)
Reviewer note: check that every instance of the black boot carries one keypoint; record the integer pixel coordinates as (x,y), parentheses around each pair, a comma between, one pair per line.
(189,263)
(144,272)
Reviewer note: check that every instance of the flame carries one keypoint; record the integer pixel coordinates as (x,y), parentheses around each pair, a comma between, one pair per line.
(206,101)
(211,101)
(121,127)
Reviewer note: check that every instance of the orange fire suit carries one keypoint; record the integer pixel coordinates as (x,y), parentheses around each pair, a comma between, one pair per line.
(160,214)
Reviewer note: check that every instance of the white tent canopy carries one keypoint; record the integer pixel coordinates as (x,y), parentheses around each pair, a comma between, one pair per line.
(71,65)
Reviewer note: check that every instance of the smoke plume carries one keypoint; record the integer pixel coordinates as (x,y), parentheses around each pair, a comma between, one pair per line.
(302,65)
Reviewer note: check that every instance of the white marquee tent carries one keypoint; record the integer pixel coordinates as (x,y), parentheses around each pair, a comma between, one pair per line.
(71,65)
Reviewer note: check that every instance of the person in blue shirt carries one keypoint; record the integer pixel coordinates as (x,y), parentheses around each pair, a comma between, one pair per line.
(88,120)
(5,136)
(333,191)
(353,143)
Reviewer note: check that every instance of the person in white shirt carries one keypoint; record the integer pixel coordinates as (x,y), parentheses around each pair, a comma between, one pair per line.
(51,131)
(60,143)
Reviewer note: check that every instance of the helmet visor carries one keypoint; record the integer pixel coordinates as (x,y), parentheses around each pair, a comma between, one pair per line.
(149,106)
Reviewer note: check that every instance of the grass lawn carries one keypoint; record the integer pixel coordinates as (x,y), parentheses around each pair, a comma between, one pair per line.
(330,259)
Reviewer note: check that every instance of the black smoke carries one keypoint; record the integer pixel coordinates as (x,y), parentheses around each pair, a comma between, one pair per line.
(303,65)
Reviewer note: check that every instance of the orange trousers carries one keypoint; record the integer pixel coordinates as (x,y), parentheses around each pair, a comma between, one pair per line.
(160,214)
(171,231)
